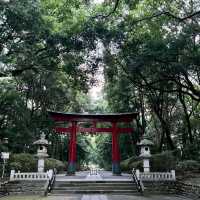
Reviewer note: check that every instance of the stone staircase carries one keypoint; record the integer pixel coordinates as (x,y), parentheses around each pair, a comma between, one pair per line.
(25,187)
(94,187)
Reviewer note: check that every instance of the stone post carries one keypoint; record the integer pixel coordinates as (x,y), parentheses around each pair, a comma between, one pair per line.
(138,173)
(146,165)
(173,174)
(40,164)
(12,173)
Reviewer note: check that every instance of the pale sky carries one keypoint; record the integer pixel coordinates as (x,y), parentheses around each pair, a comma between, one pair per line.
(98,1)
(96,91)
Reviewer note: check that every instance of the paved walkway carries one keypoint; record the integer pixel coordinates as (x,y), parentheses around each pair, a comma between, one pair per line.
(116,197)
(95,197)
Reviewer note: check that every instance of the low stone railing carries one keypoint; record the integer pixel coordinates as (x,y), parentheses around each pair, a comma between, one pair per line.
(50,183)
(94,171)
(139,184)
(30,176)
(156,176)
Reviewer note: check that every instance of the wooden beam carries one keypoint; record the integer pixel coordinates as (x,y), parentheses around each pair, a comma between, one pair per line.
(92,130)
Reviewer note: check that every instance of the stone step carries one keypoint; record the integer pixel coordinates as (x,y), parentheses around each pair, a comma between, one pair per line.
(95,191)
(25,189)
(94,181)
(19,185)
(95,188)
(186,195)
(23,186)
(96,184)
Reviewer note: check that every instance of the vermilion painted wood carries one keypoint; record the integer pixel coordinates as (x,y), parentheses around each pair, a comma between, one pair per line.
(115,144)
(72,144)
(74,118)
(93,130)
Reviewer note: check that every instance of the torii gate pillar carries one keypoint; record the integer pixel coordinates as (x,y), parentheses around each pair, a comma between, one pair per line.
(115,150)
(72,150)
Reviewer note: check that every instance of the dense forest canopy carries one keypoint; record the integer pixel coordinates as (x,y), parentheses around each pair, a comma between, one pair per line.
(149,50)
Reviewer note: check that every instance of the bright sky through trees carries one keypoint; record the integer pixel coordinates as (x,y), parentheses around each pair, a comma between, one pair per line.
(98,1)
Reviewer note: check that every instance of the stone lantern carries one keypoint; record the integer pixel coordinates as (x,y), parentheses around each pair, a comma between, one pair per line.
(145,153)
(41,152)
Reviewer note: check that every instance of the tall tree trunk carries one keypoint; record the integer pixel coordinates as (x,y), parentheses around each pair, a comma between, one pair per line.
(166,130)
(161,141)
(187,117)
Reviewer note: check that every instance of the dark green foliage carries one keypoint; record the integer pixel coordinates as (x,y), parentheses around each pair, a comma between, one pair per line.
(104,149)
(48,61)
(40,70)
(192,152)
(23,162)
(162,162)
(51,163)
(155,71)
(130,163)
(188,166)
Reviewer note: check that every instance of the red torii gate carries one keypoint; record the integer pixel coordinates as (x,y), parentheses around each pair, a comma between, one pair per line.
(74,118)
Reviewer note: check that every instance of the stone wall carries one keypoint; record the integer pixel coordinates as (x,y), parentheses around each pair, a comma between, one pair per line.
(188,190)
(3,189)
(26,187)
(160,187)
(172,187)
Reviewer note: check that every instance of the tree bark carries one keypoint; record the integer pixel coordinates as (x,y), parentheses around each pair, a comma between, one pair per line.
(187,118)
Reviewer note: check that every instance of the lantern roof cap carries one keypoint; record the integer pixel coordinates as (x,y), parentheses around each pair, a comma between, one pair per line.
(145,142)
(42,140)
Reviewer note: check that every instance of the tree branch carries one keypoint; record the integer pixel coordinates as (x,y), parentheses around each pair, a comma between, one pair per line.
(167,13)
(109,14)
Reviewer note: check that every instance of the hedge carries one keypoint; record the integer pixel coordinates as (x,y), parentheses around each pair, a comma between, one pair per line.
(158,162)
(188,165)
(25,162)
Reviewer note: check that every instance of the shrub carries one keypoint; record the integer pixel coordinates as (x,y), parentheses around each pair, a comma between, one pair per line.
(136,165)
(16,166)
(164,161)
(23,162)
(188,165)
(130,163)
(159,162)
(51,163)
